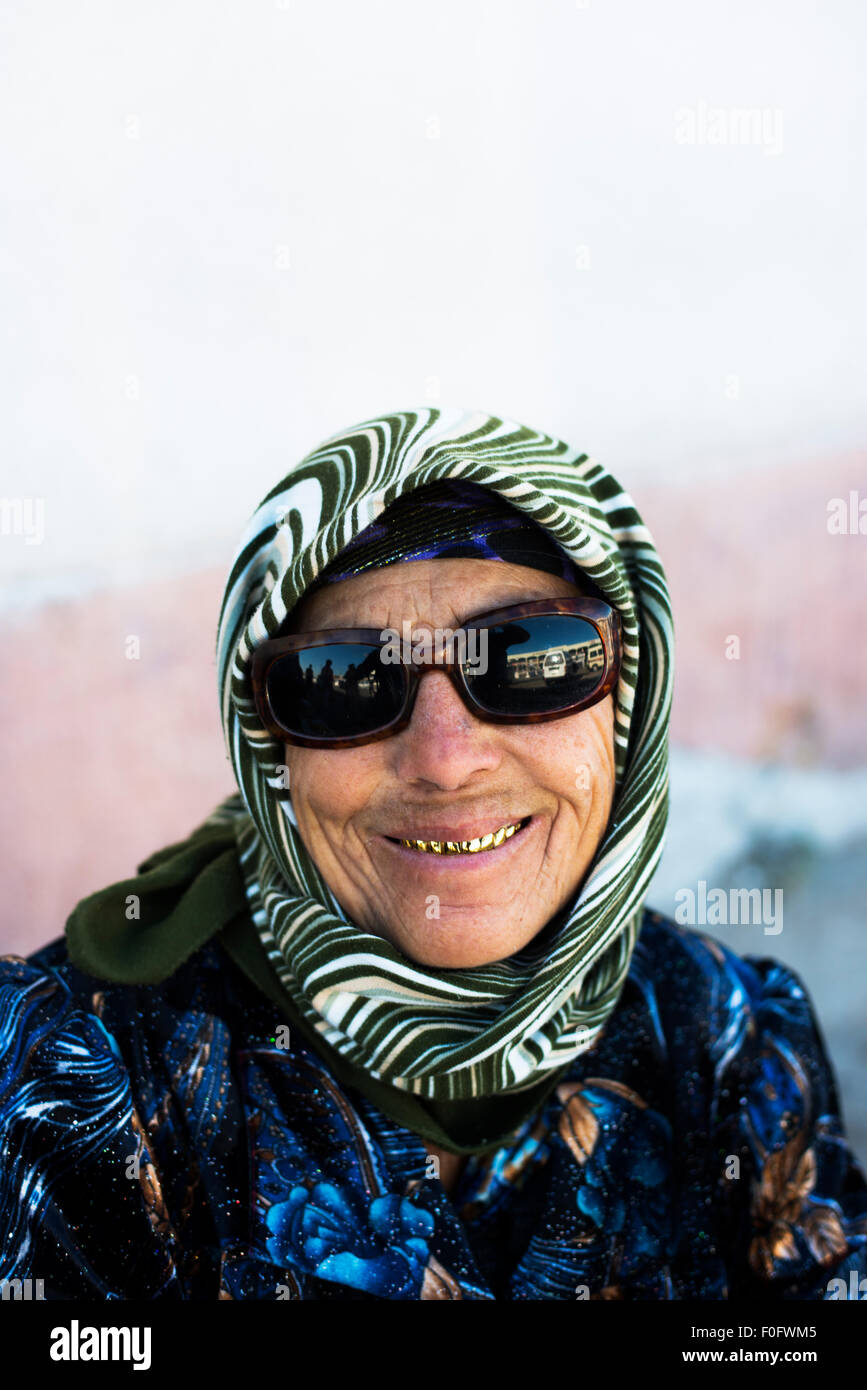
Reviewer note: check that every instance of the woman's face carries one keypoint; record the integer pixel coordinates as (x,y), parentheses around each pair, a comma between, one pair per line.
(451,776)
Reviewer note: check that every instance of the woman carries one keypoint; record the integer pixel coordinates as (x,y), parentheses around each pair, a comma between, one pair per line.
(394,1022)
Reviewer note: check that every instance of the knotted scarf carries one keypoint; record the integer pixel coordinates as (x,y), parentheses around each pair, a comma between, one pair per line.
(447,1034)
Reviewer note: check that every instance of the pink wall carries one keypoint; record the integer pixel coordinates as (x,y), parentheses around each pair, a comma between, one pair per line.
(753,557)
(105,759)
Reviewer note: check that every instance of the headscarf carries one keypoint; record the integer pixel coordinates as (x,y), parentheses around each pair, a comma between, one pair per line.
(491,1030)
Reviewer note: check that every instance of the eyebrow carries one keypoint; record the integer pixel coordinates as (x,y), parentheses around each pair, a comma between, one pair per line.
(290,625)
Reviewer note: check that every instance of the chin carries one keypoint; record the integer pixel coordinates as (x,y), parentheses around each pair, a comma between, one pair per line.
(459,946)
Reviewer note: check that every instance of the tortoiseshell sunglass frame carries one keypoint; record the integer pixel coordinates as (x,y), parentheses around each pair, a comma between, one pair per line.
(601,615)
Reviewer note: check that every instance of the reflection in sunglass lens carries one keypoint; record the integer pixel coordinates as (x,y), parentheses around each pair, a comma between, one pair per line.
(537,664)
(337,691)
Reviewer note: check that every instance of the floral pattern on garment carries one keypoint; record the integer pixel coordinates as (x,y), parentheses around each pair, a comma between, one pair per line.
(158,1142)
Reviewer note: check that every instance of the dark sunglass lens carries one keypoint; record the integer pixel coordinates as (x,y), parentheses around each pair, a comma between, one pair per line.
(535,665)
(337,691)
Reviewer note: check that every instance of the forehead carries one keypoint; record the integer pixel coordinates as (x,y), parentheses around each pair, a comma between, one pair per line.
(438,592)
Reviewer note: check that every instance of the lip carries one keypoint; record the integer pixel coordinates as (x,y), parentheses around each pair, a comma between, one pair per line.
(435,864)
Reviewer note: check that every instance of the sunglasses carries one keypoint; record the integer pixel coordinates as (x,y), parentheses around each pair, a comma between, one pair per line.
(524,664)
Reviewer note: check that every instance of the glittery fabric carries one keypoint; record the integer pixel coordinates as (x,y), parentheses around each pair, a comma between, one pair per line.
(169,1141)
(451,520)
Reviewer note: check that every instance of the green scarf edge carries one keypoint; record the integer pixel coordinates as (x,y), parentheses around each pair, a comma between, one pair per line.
(192,891)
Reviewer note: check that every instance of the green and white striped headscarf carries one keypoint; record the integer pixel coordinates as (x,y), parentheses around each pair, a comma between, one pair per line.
(448,1034)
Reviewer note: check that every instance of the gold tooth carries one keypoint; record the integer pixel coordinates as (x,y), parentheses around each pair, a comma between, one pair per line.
(490,841)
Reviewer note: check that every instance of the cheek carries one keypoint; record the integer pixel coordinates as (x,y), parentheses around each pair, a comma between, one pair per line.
(579,753)
(327,785)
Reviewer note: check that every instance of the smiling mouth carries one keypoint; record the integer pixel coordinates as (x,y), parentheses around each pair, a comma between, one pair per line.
(482,845)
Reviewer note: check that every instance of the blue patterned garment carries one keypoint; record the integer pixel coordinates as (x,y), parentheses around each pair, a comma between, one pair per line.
(162,1142)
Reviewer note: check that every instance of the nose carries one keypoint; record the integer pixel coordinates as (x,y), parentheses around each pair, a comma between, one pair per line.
(444,743)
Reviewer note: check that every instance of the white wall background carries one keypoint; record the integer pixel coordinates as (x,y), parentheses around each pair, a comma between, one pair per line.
(229,229)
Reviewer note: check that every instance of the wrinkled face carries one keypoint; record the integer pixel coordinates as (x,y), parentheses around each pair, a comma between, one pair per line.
(451,776)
